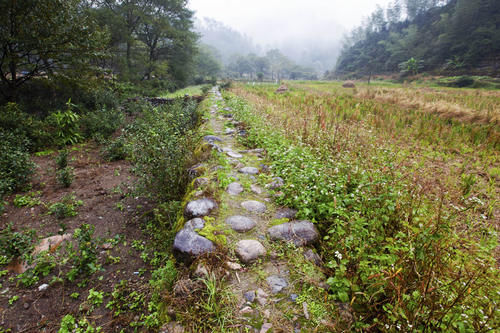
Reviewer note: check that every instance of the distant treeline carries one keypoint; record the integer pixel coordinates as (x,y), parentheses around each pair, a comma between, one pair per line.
(445,36)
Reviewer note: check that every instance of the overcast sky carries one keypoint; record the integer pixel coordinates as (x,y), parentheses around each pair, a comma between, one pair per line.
(271,22)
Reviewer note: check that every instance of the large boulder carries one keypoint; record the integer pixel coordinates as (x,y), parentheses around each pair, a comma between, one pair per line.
(188,245)
(300,233)
(199,208)
(254,206)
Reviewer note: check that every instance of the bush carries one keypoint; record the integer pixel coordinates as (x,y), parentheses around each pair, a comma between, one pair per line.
(16,167)
(84,258)
(62,159)
(65,126)
(116,150)
(101,124)
(15,244)
(65,176)
(66,207)
(160,147)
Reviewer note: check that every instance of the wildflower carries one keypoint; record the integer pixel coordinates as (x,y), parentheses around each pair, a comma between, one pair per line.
(338,255)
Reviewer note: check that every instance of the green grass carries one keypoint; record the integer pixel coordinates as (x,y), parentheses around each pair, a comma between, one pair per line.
(191,91)
(401,199)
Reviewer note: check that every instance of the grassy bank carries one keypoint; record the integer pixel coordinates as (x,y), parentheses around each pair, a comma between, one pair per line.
(406,203)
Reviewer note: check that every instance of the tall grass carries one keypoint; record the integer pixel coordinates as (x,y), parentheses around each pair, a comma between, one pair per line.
(406,207)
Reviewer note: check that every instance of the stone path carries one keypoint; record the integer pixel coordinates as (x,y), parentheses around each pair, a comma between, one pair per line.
(260,280)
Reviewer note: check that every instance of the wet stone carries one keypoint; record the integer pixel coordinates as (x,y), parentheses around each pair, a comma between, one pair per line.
(254,206)
(276,283)
(285,213)
(312,256)
(194,224)
(229,131)
(301,232)
(248,250)
(249,296)
(256,189)
(200,208)
(234,155)
(199,182)
(241,223)
(188,245)
(234,188)
(249,170)
(212,138)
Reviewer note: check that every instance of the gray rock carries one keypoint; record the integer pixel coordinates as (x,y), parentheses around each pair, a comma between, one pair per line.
(233,154)
(212,138)
(249,296)
(266,327)
(234,188)
(277,183)
(195,171)
(287,213)
(256,189)
(242,133)
(293,297)
(276,283)
(228,115)
(248,250)
(313,257)
(228,109)
(229,131)
(201,271)
(199,208)
(249,170)
(198,182)
(188,245)
(194,224)
(301,232)
(241,223)
(257,150)
(254,206)
(261,297)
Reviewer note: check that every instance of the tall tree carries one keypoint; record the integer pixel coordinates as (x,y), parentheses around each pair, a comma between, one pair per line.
(41,37)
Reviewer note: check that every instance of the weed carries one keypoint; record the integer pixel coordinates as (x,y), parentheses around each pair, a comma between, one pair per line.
(74,295)
(95,298)
(31,199)
(16,244)
(65,176)
(163,278)
(62,159)
(84,258)
(66,207)
(13,299)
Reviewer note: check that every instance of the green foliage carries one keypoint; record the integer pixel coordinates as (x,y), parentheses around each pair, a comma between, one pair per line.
(65,176)
(412,66)
(116,150)
(392,253)
(67,207)
(62,159)
(42,265)
(31,199)
(95,298)
(70,325)
(16,244)
(160,145)
(65,126)
(73,42)
(101,123)
(83,258)
(163,278)
(16,166)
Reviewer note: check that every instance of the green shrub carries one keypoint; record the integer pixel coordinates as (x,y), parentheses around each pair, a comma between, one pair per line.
(102,123)
(163,278)
(160,147)
(116,150)
(62,159)
(65,176)
(67,207)
(65,126)
(16,167)
(15,244)
(83,258)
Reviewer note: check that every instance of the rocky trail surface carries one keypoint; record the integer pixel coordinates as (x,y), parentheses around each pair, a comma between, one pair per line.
(269,258)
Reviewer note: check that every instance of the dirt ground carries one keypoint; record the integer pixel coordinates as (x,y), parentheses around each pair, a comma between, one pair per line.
(105,189)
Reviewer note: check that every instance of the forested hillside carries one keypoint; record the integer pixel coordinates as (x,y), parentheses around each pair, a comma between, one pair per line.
(449,37)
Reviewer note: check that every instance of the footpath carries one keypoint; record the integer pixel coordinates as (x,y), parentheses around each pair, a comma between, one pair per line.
(270,252)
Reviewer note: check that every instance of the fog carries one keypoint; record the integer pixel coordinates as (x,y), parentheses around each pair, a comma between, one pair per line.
(309,31)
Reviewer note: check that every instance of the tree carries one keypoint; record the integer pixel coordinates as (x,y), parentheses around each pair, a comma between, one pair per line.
(207,65)
(43,37)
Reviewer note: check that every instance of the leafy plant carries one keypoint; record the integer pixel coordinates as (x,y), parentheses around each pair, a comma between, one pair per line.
(163,278)
(83,258)
(67,207)
(16,244)
(65,176)
(62,159)
(31,199)
(65,125)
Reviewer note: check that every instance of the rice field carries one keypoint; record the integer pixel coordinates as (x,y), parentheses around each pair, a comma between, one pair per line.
(403,183)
